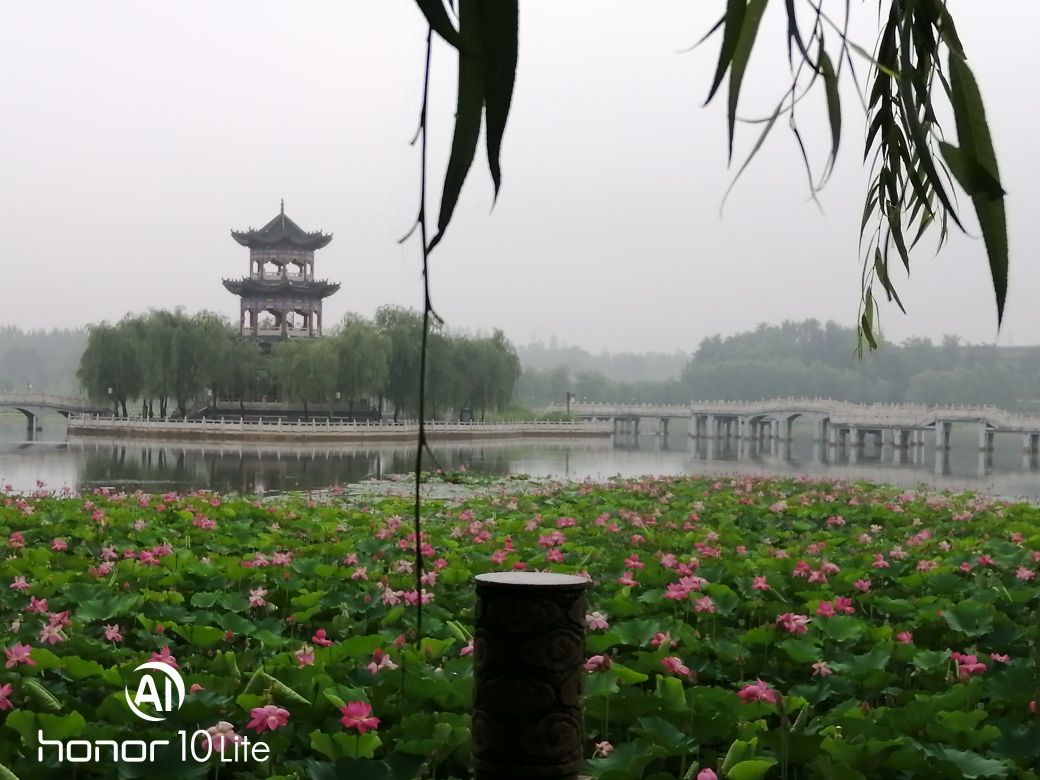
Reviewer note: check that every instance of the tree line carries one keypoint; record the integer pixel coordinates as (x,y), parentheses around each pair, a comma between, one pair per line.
(166,363)
(814,359)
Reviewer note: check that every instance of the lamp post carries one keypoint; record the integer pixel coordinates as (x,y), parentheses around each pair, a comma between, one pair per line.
(115,406)
(570,397)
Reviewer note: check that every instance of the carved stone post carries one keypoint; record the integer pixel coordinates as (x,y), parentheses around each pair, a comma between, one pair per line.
(529,647)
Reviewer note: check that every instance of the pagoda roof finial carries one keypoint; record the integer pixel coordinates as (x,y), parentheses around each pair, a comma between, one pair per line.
(280,231)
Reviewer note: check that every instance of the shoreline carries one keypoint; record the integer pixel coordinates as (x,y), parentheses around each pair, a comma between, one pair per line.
(326,431)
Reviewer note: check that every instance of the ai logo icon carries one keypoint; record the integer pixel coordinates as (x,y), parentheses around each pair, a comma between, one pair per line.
(148,691)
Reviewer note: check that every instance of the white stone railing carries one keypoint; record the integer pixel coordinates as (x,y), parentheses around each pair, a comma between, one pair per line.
(49,401)
(326,425)
(839,412)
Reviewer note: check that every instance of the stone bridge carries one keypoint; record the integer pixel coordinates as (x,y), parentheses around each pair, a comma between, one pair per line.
(32,405)
(838,423)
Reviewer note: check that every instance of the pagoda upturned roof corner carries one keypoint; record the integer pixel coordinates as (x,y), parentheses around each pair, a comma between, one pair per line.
(281,230)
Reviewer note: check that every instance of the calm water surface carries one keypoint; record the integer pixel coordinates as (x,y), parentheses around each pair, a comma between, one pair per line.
(158,466)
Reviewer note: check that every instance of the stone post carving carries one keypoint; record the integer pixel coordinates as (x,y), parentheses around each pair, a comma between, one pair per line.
(529,647)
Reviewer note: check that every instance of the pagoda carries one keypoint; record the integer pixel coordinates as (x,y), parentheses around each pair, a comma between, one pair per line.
(281,281)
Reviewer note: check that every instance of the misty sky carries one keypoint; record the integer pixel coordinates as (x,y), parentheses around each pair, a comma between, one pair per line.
(135,136)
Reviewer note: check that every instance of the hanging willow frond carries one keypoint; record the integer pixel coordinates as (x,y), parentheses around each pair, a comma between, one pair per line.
(913,166)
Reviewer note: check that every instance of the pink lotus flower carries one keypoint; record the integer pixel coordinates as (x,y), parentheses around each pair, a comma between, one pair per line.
(321,639)
(51,635)
(844,604)
(863,586)
(256,597)
(675,666)
(380,660)
(219,737)
(165,657)
(1025,574)
(112,633)
(820,669)
(596,621)
(826,609)
(906,637)
(704,604)
(597,663)
(662,638)
(5,692)
(305,656)
(627,579)
(758,691)
(759,584)
(466,649)
(792,623)
(707,774)
(19,654)
(37,605)
(358,715)
(15,540)
(967,665)
(602,749)
(267,718)
(195,688)
(59,545)
(19,584)
(1000,658)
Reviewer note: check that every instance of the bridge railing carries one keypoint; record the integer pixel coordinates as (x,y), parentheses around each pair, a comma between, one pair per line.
(839,412)
(319,425)
(48,400)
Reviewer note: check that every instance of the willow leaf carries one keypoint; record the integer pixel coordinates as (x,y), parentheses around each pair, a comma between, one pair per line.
(977,143)
(499,20)
(881,269)
(437,17)
(830,81)
(734,20)
(970,173)
(468,111)
(741,55)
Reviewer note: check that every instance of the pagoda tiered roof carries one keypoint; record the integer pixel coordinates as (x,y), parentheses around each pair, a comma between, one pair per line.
(310,288)
(281,231)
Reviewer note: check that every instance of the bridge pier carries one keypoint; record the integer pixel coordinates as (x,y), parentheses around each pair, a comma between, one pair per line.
(1031,443)
(664,426)
(986,436)
(709,427)
(821,429)
(942,435)
(833,434)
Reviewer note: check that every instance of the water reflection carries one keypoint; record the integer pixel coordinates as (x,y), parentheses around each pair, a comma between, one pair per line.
(158,466)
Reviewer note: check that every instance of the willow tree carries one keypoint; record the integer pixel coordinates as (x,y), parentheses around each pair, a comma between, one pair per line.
(918,71)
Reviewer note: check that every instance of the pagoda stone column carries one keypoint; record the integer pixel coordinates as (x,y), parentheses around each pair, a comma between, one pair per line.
(528,652)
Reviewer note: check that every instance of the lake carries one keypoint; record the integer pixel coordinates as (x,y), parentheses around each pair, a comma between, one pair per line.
(160,466)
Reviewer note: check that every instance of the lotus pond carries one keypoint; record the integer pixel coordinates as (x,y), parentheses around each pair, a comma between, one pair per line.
(738,628)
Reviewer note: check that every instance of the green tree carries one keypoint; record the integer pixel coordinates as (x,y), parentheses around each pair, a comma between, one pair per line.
(403,328)
(306,371)
(362,359)
(110,370)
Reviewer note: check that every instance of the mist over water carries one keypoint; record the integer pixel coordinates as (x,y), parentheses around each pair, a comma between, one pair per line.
(134,464)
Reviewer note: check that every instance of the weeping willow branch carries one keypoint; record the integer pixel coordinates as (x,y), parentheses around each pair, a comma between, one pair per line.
(427,311)
(918,72)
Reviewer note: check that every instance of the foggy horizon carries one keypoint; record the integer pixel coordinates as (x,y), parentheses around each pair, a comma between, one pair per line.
(144,135)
